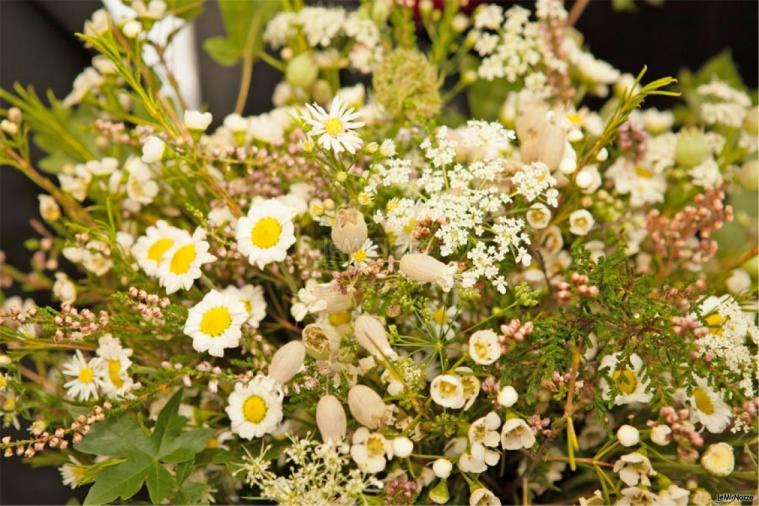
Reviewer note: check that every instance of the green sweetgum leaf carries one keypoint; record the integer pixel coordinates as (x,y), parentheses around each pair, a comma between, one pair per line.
(142,457)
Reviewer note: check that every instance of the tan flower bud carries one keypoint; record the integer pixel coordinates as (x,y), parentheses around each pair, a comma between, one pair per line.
(541,138)
(371,335)
(335,299)
(426,269)
(320,340)
(366,406)
(330,418)
(287,361)
(349,231)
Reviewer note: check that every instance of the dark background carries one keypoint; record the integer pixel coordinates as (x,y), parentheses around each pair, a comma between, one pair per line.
(37,47)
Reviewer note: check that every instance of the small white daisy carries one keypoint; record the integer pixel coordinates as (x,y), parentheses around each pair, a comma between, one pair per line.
(255,408)
(708,408)
(181,264)
(252,298)
(214,323)
(334,129)
(72,473)
(151,248)
(632,388)
(359,258)
(266,233)
(85,381)
(116,360)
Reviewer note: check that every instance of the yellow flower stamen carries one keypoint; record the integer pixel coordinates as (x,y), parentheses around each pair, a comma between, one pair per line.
(265,233)
(215,321)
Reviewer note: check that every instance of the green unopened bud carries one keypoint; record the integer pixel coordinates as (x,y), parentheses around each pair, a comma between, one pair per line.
(469,76)
(439,493)
(751,122)
(321,92)
(692,148)
(302,71)
(748,175)
(752,266)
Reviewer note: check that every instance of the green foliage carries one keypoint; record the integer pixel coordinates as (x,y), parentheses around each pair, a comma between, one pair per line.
(244,22)
(142,455)
(721,67)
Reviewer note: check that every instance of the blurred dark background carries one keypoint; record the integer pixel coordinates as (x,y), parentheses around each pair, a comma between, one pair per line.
(37,47)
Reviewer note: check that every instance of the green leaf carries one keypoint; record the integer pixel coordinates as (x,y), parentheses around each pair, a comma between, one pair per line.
(169,422)
(190,493)
(222,50)
(159,483)
(116,437)
(185,9)
(55,162)
(244,22)
(184,470)
(123,481)
(185,447)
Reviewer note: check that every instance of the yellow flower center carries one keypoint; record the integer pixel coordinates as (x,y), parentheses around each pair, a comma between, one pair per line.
(212,443)
(643,172)
(86,375)
(248,306)
(183,259)
(715,322)
(625,380)
(158,248)
(375,446)
(703,402)
(410,225)
(470,386)
(359,256)
(265,233)
(3,382)
(215,321)
(440,316)
(254,409)
(339,318)
(114,372)
(575,118)
(481,348)
(333,126)
(447,388)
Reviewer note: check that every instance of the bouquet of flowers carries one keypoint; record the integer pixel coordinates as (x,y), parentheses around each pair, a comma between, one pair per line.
(450,282)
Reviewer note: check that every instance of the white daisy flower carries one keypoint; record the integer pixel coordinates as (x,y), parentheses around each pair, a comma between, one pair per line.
(484,347)
(85,381)
(116,360)
(370,450)
(334,129)
(360,257)
(708,408)
(516,434)
(214,323)
(448,391)
(255,408)
(266,233)
(252,298)
(634,468)
(180,266)
(72,472)
(151,248)
(632,388)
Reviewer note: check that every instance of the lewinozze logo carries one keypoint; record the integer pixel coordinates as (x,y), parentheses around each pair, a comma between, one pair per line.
(725,498)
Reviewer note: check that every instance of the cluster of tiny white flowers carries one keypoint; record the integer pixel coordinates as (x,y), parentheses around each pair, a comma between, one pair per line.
(318,475)
(725,105)
(321,26)
(598,74)
(511,46)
